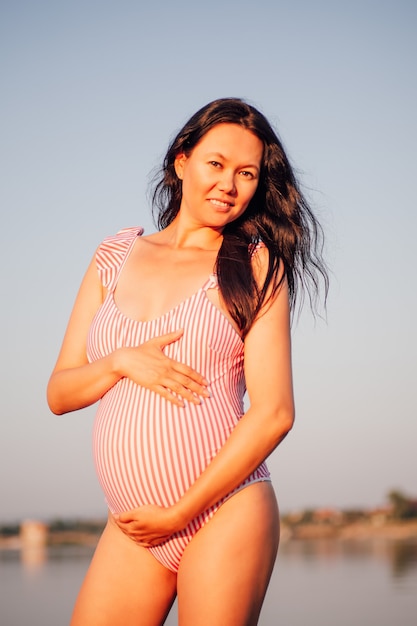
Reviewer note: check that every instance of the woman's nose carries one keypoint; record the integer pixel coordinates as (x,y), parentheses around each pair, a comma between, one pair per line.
(227,182)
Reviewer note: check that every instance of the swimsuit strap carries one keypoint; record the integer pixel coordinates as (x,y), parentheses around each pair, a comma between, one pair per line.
(211,283)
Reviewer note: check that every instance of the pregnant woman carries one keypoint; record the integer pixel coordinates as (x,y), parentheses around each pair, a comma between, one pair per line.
(168,332)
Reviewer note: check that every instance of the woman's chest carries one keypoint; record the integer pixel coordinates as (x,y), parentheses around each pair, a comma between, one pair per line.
(208,341)
(152,281)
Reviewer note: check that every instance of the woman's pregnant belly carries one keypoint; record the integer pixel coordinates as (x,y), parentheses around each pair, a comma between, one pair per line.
(147,450)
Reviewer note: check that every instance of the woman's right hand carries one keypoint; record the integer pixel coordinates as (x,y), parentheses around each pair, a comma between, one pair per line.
(148,366)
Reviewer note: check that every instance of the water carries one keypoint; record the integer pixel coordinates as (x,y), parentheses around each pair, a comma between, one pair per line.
(315,583)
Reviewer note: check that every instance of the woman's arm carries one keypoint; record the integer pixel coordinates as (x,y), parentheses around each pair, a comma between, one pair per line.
(260,430)
(75,383)
(267,421)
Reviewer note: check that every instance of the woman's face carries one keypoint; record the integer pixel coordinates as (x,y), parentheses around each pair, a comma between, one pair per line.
(220,176)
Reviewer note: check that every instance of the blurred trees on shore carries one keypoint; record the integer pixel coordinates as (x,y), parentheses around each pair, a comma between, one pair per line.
(402,507)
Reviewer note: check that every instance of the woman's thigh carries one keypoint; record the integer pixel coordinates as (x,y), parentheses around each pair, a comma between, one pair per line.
(225,570)
(125,585)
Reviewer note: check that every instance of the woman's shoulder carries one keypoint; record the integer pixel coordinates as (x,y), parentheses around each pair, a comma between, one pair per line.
(112,252)
(260,257)
(122,237)
(118,243)
(260,260)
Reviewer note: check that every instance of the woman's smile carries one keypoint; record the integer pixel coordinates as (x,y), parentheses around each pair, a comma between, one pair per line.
(221,204)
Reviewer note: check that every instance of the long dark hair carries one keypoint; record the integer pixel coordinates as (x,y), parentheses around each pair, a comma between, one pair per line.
(278,216)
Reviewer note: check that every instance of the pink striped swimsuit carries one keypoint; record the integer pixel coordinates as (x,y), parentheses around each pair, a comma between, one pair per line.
(146,449)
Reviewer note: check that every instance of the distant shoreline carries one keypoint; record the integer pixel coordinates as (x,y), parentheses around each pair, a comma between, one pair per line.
(361,530)
(357,531)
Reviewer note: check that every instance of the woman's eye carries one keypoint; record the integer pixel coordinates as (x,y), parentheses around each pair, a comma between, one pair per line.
(215,163)
(246,174)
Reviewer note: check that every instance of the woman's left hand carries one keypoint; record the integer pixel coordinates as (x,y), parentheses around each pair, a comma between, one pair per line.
(148,525)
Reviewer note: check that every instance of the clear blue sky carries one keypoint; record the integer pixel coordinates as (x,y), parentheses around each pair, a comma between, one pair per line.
(91,94)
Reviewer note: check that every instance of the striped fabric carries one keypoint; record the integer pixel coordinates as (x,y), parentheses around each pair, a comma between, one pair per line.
(146,449)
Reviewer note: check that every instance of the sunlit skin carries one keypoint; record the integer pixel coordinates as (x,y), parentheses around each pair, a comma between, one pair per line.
(220,176)
(226,567)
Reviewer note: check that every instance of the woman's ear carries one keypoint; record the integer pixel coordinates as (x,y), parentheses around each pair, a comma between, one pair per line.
(179,162)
